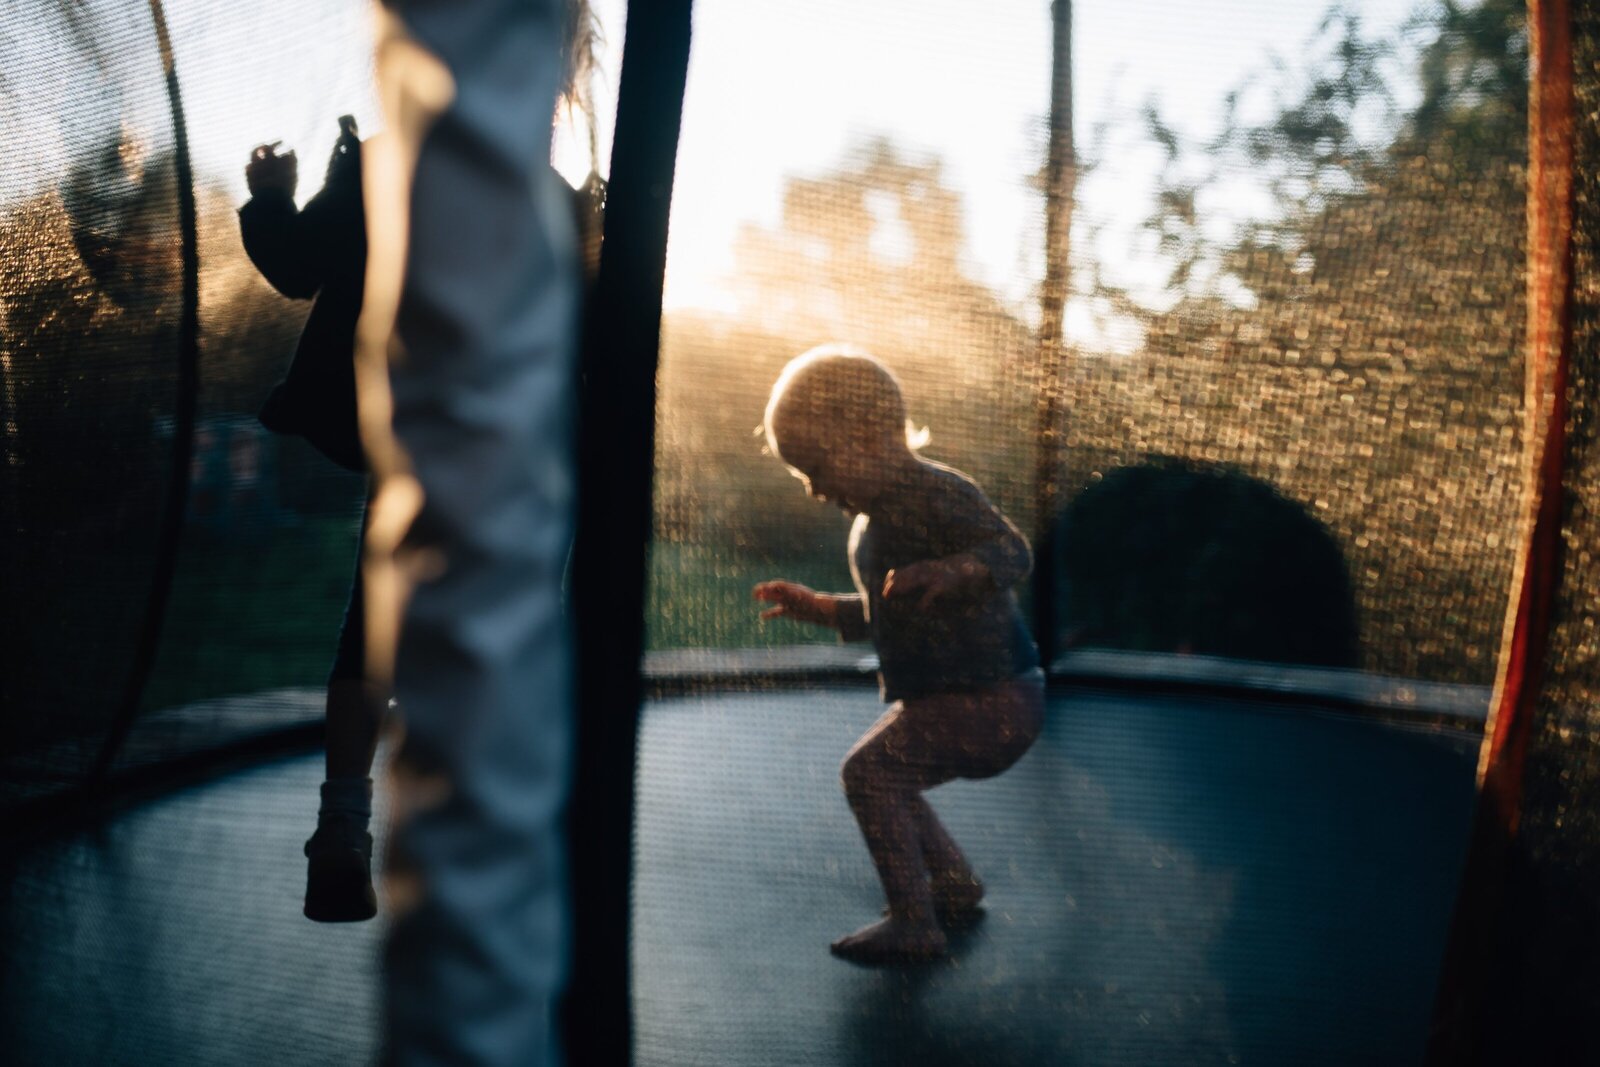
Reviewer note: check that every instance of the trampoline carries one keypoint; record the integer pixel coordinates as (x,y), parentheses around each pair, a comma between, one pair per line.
(1285,364)
(1304,881)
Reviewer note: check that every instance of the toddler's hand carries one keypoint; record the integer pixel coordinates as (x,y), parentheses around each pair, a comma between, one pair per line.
(794,601)
(935,579)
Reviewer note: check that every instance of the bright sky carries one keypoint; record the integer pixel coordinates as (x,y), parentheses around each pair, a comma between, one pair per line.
(778,88)
(248,74)
(252,75)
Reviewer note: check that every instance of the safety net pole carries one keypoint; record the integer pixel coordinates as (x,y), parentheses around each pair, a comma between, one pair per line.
(1060,177)
(466,347)
(616,435)
(1478,922)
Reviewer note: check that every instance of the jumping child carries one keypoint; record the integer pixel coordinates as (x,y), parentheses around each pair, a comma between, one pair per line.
(934,564)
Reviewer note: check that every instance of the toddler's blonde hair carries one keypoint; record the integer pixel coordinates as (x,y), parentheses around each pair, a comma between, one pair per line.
(834,386)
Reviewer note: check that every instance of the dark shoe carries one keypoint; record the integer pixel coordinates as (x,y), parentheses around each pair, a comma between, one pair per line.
(339,875)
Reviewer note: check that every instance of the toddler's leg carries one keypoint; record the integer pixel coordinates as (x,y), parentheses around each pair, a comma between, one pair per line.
(957,892)
(913,747)
(974,735)
(883,777)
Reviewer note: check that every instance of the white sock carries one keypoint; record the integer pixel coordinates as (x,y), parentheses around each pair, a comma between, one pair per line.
(346,798)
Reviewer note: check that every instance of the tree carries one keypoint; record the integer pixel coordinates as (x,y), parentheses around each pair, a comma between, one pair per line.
(1357,344)
(1334,137)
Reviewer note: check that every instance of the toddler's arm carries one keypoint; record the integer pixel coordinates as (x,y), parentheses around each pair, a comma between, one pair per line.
(937,579)
(842,612)
(982,551)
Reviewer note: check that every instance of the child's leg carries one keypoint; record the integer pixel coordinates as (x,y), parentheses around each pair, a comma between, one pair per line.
(339,875)
(957,892)
(883,789)
(354,715)
(354,711)
(915,746)
(940,854)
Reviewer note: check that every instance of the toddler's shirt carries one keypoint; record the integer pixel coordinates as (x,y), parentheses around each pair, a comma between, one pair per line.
(960,643)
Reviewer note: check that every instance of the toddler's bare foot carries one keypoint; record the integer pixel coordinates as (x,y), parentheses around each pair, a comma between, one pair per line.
(893,940)
(958,899)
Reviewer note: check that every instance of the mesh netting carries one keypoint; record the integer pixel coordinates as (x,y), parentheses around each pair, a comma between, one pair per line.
(91,299)
(91,302)
(1317,294)
(1279,419)
(1257,396)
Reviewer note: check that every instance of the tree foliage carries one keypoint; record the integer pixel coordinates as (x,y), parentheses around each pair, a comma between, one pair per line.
(1329,134)
(1355,343)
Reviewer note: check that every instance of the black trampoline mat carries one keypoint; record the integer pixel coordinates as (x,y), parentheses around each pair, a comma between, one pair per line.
(174,936)
(1171,881)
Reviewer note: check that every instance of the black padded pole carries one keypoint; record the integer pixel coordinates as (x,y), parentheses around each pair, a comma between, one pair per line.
(616,458)
(186,405)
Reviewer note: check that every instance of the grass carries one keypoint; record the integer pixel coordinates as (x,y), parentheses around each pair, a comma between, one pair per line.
(699,595)
(247,616)
(252,615)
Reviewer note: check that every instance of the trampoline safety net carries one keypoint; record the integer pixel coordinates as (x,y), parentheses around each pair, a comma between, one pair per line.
(114,613)
(1223,306)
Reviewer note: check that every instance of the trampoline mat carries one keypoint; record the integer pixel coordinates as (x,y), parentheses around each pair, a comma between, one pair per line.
(1171,880)
(174,935)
